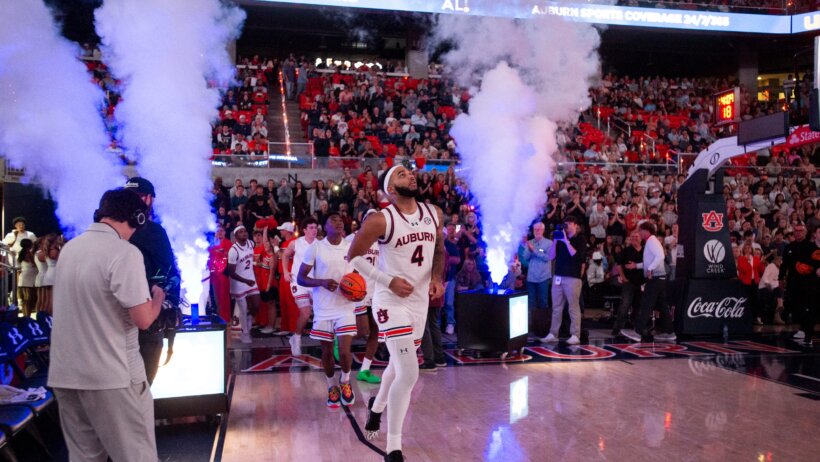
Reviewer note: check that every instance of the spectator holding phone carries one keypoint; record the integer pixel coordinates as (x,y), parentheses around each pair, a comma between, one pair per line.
(536,252)
(570,254)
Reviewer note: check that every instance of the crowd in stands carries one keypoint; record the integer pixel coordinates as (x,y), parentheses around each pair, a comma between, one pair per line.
(771,193)
(369,115)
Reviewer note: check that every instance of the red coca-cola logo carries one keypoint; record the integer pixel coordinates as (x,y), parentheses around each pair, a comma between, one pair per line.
(729,307)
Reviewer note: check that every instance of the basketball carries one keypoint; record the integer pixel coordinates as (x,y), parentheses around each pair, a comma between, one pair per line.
(353,287)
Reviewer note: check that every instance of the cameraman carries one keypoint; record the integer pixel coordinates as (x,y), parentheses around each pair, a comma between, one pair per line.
(570,253)
(160,268)
(100,299)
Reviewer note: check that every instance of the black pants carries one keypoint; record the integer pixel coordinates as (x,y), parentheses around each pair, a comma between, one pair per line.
(768,303)
(804,300)
(754,300)
(654,298)
(431,340)
(150,350)
(630,298)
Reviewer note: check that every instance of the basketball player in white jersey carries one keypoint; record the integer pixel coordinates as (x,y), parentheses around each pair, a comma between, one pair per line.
(302,295)
(333,314)
(244,290)
(365,322)
(410,270)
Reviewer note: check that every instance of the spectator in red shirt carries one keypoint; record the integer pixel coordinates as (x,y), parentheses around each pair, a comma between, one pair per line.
(217,262)
(749,271)
(633,218)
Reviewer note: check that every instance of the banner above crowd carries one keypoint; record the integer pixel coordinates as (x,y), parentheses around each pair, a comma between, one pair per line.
(598,14)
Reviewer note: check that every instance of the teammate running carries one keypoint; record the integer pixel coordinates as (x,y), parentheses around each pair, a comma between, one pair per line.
(411,264)
(365,323)
(332,313)
(302,295)
(243,282)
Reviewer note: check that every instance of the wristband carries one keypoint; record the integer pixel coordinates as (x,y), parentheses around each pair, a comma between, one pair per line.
(369,271)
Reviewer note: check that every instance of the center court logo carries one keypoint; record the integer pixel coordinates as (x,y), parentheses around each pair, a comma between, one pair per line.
(714,251)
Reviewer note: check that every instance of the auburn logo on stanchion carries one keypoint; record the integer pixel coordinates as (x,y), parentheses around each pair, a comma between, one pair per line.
(712,221)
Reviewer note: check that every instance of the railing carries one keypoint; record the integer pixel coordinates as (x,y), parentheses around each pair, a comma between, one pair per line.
(8,286)
(301,157)
(648,144)
(570,167)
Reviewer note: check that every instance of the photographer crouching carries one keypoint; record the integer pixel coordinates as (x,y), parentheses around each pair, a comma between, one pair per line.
(160,269)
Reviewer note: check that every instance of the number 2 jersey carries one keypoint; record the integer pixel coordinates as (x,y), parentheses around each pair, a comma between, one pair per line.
(406,250)
(242,257)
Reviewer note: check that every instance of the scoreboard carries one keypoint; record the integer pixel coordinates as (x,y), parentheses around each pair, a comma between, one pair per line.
(727,106)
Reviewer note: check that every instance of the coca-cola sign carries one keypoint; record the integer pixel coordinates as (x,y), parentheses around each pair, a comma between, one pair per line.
(728,308)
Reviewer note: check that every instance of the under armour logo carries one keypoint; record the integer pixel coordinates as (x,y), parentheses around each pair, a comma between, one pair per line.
(15,336)
(35,329)
(403,351)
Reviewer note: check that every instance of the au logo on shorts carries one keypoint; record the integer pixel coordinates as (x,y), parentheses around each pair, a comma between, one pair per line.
(382,316)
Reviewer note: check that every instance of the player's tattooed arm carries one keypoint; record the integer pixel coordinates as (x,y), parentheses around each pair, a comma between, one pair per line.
(437,275)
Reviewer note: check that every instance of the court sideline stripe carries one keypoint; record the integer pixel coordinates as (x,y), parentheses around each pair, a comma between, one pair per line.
(219,444)
(807,377)
(359,434)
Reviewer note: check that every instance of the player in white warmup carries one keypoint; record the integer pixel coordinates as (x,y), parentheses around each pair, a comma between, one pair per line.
(333,314)
(410,270)
(302,295)
(365,322)
(244,290)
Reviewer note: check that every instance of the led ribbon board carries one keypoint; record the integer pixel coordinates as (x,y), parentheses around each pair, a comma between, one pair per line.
(597,14)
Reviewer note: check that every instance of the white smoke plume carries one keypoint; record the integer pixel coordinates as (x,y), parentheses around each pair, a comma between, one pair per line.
(166,52)
(50,122)
(533,74)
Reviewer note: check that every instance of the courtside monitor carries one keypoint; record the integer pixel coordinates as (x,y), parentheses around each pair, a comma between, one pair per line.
(519,315)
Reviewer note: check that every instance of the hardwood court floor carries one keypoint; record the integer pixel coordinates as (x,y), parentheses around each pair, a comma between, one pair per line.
(657,410)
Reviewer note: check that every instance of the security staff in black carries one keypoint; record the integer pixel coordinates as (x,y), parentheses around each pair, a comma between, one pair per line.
(799,278)
(160,266)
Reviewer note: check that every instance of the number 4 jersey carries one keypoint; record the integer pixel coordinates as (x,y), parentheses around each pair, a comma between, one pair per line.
(406,250)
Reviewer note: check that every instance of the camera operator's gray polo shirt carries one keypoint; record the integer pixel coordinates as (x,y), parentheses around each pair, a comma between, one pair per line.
(94,340)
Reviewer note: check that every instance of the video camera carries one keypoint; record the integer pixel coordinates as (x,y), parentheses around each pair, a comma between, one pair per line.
(558,234)
(170,315)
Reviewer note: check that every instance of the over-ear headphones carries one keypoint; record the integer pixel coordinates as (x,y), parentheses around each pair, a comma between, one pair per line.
(137,219)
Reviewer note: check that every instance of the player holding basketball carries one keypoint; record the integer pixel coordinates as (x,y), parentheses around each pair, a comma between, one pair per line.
(365,322)
(302,295)
(332,313)
(411,265)
(243,282)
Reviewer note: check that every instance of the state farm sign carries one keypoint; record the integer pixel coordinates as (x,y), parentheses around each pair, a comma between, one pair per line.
(802,135)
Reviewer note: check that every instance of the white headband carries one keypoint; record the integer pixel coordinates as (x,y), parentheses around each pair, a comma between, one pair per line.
(237,229)
(388,176)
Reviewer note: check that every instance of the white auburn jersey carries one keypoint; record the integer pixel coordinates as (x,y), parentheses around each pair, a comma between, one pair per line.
(242,257)
(406,250)
(372,256)
(300,247)
(329,262)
